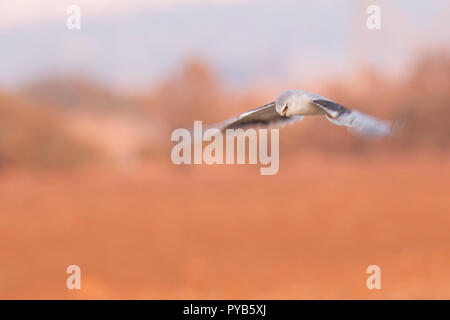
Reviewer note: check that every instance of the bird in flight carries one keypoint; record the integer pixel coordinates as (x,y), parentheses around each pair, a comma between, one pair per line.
(293,105)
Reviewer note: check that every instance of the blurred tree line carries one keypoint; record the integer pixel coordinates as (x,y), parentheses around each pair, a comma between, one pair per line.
(36,128)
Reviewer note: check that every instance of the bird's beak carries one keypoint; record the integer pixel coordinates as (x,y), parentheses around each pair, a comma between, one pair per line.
(284,111)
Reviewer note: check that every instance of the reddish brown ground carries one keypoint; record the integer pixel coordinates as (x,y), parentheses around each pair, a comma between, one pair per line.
(227,232)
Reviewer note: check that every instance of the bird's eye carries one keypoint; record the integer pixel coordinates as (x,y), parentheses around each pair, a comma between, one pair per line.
(285,108)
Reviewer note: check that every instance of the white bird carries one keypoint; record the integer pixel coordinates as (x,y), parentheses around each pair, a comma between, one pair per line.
(292,105)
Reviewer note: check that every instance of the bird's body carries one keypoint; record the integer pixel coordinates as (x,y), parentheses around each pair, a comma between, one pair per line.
(299,103)
(293,105)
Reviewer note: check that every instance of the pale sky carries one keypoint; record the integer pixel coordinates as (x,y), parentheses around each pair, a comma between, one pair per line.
(23,12)
(128,43)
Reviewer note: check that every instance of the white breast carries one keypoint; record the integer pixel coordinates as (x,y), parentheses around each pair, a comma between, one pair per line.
(300,105)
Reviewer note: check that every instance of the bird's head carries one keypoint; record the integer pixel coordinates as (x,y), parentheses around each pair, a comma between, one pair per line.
(286,102)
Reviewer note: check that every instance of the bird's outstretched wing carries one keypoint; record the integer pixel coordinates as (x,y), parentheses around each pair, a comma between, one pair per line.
(357,122)
(262,116)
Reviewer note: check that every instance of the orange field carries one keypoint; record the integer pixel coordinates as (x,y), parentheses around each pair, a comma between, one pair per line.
(89,113)
(163,231)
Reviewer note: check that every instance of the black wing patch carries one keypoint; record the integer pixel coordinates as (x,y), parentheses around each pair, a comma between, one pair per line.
(335,109)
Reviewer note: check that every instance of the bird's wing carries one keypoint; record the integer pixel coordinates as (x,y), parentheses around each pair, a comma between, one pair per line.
(357,122)
(266,115)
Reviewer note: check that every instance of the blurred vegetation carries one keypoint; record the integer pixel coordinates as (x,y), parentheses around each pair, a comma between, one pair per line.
(36,138)
(64,122)
(192,93)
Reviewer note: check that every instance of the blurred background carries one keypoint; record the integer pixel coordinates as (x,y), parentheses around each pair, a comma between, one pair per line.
(85,170)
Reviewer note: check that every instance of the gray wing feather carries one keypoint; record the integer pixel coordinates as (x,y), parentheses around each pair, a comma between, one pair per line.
(265,116)
(357,122)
